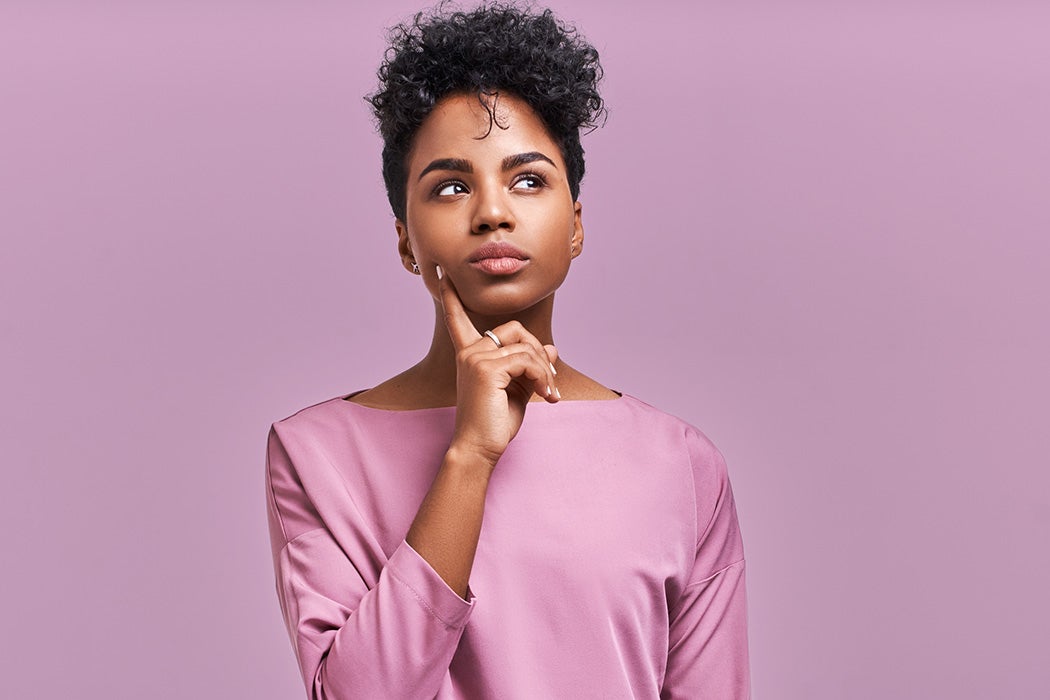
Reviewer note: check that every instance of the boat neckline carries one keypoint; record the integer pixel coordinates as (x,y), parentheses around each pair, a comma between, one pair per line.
(345,398)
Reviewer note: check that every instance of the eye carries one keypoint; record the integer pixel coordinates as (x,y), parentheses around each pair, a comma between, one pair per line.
(529,181)
(450,187)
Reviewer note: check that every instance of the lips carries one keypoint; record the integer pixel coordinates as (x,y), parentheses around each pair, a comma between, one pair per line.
(498,258)
(497,249)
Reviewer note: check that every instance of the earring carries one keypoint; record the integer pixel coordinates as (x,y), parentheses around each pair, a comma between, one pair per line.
(415,268)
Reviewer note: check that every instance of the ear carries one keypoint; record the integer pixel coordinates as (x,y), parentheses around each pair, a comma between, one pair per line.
(404,246)
(576,242)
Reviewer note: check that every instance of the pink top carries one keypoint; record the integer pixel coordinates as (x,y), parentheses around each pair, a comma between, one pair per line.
(610,562)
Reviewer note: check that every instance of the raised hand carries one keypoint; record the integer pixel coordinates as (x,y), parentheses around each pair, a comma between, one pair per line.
(493,385)
(493,382)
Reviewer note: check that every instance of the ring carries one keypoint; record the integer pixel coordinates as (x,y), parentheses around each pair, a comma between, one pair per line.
(494,338)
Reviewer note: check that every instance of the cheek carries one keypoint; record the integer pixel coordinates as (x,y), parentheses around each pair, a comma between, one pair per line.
(569,229)
(430,247)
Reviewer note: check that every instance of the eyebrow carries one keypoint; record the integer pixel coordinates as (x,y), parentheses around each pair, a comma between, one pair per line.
(462,165)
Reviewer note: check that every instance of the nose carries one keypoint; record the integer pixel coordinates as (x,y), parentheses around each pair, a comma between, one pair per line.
(492,211)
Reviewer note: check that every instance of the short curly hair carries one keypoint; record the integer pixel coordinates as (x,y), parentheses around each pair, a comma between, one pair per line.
(494,47)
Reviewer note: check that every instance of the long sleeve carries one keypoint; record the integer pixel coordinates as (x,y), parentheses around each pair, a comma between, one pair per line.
(609,564)
(361,627)
(708,647)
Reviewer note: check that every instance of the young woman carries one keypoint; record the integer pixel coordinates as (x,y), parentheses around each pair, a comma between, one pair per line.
(491,522)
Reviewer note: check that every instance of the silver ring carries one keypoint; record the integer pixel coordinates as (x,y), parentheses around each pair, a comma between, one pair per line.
(494,338)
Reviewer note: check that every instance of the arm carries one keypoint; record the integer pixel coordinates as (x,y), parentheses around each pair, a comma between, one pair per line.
(708,649)
(493,386)
(362,628)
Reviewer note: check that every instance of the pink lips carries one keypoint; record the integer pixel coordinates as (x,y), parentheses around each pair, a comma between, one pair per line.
(498,258)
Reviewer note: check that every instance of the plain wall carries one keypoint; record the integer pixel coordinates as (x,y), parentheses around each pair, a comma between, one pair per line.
(818,231)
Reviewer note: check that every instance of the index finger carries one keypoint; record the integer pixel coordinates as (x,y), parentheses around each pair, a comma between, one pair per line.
(460,328)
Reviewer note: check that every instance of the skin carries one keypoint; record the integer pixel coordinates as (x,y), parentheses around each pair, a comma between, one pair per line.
(462,194)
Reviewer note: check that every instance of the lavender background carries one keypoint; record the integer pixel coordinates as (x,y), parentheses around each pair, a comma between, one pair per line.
(816,230)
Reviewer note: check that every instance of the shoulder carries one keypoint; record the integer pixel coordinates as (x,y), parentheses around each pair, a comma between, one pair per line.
(339,431)
(313,411)
(311,423)
(696,445)
(698,468)
(321,413)
(699,463)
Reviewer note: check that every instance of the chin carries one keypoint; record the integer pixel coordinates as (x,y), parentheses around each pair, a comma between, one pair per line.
(502,301)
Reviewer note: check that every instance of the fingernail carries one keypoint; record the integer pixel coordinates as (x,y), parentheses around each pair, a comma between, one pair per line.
(557,393)
(440,273)
(548,390)
(552,368)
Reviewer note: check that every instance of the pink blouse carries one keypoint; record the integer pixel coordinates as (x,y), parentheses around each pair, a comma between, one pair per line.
(610,563)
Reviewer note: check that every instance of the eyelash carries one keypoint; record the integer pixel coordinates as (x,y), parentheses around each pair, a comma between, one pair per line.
(442,185)
(523,176)
(532,176)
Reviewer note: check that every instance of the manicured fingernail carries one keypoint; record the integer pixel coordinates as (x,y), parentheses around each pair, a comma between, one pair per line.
(552,368)
(557,393)
(548,390)
(440,273)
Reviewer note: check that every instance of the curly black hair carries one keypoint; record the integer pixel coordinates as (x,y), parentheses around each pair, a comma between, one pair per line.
(495,47)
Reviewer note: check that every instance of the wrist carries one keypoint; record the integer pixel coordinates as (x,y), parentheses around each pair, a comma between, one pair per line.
(469,458)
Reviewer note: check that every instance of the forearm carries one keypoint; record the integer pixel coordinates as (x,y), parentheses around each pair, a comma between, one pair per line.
(396,642)
(447,526)
(365,622)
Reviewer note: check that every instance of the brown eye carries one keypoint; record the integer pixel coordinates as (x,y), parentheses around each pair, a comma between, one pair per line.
(529,182)
(450,188)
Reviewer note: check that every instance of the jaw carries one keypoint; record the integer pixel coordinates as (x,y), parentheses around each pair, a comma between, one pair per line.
(536,318)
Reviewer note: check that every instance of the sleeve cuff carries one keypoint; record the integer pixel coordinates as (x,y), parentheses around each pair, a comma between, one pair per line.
(412,571)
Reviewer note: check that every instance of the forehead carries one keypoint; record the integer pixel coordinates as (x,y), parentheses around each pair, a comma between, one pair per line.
(459,127)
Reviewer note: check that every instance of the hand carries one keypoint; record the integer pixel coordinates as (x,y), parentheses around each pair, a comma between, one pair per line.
(493,384)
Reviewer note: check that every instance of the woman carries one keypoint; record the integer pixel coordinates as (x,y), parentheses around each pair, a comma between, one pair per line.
(492,522)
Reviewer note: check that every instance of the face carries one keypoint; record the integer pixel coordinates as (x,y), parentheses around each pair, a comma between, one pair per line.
(495,212)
